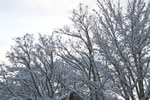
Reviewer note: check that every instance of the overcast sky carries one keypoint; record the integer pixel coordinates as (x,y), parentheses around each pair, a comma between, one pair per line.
(18,17)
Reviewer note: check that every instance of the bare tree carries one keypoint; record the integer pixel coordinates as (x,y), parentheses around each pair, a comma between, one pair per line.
(123,39)
(80,51)
(34,66)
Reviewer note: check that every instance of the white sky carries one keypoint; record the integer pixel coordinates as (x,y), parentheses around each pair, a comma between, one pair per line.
(18,17)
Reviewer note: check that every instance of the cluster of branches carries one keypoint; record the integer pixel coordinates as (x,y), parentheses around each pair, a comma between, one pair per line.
(104,54)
